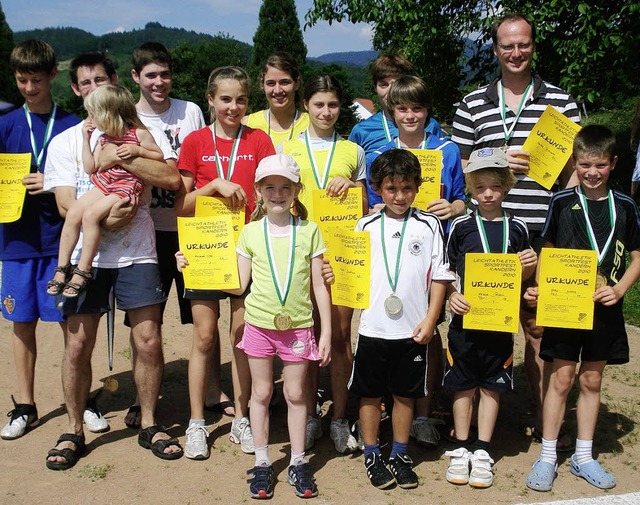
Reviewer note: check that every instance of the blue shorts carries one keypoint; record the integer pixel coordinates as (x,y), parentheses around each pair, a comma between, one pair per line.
(24,290)
(135,286)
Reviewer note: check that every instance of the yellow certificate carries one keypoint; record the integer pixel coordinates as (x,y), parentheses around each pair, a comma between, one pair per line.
(216,206)
(550,144)
(350,259)
(567,281)
(431,168)
(336,212)
(13,168)
(492,284)
(208,245)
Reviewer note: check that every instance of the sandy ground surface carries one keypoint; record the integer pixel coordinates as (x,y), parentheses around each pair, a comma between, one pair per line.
(117,471)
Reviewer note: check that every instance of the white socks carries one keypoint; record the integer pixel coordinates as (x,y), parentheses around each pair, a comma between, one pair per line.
(583,451)
(548,454)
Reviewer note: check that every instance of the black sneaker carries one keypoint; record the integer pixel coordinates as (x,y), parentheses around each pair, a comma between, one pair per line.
(301,477)
(261,484)
(402,470)
(377,471)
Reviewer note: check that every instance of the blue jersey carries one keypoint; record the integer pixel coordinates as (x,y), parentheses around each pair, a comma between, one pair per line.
(370,134)
(451,177)
(36,234)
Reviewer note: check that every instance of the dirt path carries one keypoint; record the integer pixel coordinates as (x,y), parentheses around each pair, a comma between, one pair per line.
(118,471)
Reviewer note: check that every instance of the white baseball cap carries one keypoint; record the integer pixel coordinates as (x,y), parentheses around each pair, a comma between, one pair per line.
(278,164)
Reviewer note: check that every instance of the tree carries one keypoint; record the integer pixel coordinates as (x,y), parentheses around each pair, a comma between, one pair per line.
(8,91)
(278,30)
(192,65)
(588,47)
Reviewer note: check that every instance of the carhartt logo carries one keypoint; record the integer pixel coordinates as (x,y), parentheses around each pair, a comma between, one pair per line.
(418,358)
(500,381)
(396,235)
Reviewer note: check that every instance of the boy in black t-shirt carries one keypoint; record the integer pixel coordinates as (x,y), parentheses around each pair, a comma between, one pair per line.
(589,216)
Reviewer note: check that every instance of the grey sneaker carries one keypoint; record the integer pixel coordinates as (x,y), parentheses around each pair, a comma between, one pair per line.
(197,446)
(241,434)
(314,431)
(342,438)
(93,418)
(23,417)
(425,431)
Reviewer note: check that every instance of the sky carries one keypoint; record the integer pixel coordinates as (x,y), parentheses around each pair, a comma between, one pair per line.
(237,18)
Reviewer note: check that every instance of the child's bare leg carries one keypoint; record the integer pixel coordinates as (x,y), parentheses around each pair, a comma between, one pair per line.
(555,401)
(487,414)
(261,391)
(205,324)
(370,416)
(294,391)
(462,412)
(401,418)
(588,407)
(99,208)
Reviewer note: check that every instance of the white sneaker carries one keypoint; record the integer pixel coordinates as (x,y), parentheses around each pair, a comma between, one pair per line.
(458,470)
(197,446)
(23,417)
(481,475)
(93,418)
(314,431)
(241,434)
(342,438)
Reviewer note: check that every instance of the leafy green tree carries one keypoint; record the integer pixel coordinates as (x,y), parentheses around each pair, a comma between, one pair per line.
(8,90)
(588,47)
(192,65)
(278,31)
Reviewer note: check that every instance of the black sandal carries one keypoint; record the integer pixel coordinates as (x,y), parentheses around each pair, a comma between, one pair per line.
(71,456)
(55,287)
(145,438)
(76,289)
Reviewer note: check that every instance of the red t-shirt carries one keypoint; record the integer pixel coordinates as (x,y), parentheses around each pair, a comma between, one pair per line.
(197,156)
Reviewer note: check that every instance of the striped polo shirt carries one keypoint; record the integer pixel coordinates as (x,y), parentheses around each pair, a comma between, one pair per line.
(478,124)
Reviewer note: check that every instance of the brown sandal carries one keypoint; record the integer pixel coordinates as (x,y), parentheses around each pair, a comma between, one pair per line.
(55,287)
(72,289)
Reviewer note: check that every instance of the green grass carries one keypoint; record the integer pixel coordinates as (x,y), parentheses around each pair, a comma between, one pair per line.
(632,305)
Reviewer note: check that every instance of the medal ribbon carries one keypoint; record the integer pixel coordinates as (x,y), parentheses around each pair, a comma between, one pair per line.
(295,119)
(503,110)
(483,233)
(385,126)
(282,293)
(393,282)
(590,233)
(232,158)
(322,184)
(38,155)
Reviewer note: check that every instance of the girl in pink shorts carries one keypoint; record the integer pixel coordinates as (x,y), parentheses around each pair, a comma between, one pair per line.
(280,252)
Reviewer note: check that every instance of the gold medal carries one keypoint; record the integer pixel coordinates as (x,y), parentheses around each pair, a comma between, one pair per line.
(282,321)
(393,305)
(601,280)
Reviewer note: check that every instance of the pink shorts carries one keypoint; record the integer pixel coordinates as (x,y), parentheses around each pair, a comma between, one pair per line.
(297,344)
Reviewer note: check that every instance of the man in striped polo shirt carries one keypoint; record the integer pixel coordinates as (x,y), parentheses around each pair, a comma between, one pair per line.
(502,114)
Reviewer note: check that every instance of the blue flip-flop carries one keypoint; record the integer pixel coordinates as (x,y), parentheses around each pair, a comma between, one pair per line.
(542,476)
(593,473)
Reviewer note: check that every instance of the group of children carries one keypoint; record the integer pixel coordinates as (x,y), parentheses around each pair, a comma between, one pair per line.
(268,163)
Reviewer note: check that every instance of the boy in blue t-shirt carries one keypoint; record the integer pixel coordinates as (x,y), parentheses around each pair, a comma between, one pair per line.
(480,363)
(29,246)
(379,129)
(589,216)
